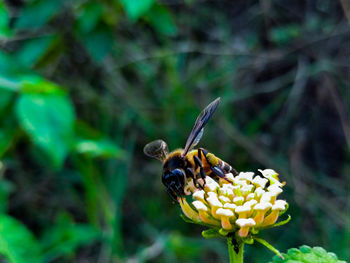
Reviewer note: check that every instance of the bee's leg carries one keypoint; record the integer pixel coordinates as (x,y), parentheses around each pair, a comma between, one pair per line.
(219,172)
(217,166)
(172,194)
(199,164)
(225,167)
(190,174)
(229,169)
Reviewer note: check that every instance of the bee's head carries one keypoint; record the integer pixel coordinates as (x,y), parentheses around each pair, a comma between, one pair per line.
(174,181)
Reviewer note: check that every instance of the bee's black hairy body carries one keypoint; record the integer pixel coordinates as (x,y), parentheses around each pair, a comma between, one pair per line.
(174,162)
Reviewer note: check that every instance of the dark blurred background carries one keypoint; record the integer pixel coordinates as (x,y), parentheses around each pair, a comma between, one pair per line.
(85,84)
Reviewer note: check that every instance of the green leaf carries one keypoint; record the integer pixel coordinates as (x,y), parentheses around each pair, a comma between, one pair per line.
(9,84)
(6,188)
(7,65)
(89,16)
(48,119)
(17,243)
(4,21)
(8,128)
(66,236)
(36,84)
(283,34)
(98,148)
(37,14)
(99,43)
(161,19)
(93,143)
(6,96)
(306,254)
(6,136)
(32,50)
(136,8)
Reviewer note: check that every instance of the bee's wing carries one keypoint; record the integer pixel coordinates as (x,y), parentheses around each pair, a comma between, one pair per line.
(201,121)
(157,149)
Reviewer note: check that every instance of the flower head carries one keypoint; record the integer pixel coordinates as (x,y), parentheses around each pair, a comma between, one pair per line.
(243,207)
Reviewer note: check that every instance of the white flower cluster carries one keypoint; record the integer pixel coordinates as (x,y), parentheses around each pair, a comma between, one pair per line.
(250,202)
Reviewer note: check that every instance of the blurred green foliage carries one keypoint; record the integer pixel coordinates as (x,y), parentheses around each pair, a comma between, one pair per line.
(307,254)
(85,84)
(16,241)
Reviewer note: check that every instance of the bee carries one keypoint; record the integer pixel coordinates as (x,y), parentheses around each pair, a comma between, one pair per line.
(182,164)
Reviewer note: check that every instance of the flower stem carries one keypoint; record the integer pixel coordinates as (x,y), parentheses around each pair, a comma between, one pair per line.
(235,250)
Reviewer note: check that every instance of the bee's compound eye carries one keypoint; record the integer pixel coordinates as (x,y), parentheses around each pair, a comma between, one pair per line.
(178,175)
(174,177)
(177,172)
(167,178)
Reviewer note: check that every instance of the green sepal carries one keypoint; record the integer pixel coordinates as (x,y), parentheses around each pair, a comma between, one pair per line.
(211,233)
(249,241)
(254,231)
(223,232)
(283,211)
(191,221)
(187,220)
(281,223)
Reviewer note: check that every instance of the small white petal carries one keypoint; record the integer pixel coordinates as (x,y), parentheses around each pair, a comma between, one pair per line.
(268,173)
(279,205)
(212,187)
(266,197)
(199,195)
(275,189)
(251,203)
(210,194)
(224,212)
(227,192)
(262,206)
(229,176)
(259,191)
(230,206)
(224,199)
(227,187)
(214,201)
(245,190)
(245,176)
(250,196)
(243,222)
(210,180)
(241,183)
(242,209)
(259,181)
(272,176)
(199,206)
